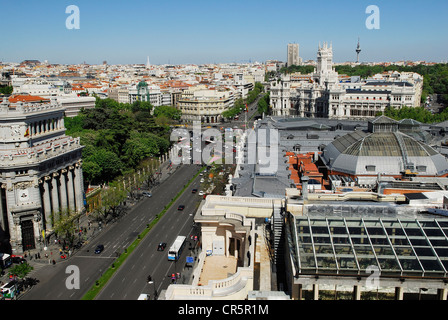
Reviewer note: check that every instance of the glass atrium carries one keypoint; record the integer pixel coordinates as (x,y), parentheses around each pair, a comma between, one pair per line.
(353,246)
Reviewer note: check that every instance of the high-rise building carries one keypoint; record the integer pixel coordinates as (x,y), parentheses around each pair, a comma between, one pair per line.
(293,54)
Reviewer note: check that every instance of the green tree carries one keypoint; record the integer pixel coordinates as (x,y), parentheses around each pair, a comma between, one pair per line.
(109,164)
(6,89)
(20,270)
(263,104)
(168,111)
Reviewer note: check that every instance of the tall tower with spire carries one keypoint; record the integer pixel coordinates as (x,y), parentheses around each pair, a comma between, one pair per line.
(148,65)
(324,71)
(358,51)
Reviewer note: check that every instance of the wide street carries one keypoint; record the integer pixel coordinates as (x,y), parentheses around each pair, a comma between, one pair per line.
(115,238)
(130,280)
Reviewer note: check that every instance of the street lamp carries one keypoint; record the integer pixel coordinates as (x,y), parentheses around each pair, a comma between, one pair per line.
(150,281)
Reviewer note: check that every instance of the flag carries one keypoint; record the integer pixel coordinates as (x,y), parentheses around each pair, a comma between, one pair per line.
(27,132)
(247,110)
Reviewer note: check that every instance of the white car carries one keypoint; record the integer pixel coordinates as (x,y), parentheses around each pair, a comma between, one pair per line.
(201,193)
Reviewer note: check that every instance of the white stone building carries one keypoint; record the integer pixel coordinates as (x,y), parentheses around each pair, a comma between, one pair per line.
(205,105)
(72,105)
(41,176)
(324,95)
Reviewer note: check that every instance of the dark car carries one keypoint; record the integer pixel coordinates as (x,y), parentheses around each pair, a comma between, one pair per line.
(99,248)
(181,207)
(18,259)
(161,246)
(194,190)
(78,245)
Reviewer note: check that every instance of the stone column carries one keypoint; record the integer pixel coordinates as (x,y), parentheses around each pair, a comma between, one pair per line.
(12,221)
(47,203)
(16,234)
(442,294)
(2,222)
(63,191)
(356,293)
(315,292)
(398,293)
(70,190)
(79,193)
(55,197)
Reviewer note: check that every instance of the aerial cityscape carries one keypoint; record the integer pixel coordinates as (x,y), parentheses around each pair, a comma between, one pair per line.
(224,152)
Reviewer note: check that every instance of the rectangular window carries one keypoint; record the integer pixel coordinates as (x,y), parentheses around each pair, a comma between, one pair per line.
(421,168)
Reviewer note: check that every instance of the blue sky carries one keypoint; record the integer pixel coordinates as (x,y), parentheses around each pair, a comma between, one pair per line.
(197,31)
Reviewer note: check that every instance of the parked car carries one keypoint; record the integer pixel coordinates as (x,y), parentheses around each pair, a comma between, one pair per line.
(18,259)
(161,246)
(99,248)
(147,194)
(78,245)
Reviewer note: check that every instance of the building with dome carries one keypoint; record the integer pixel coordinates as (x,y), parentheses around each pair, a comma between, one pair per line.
(382,150)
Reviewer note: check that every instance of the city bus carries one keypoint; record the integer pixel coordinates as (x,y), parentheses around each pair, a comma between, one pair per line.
(8,290)
(176,248)
(5,261)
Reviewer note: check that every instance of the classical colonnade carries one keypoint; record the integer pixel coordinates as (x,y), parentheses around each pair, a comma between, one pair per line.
(62,192)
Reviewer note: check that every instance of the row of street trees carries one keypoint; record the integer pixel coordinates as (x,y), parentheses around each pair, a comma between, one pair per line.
(118,136)
(240,104)
(122,144)
(109,202)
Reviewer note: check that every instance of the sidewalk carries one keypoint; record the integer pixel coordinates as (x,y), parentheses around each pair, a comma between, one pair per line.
(42,256)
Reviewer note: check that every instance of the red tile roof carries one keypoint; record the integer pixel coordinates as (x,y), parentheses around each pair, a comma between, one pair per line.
(27,98)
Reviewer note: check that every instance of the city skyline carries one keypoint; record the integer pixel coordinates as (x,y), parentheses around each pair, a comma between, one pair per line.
(227,32)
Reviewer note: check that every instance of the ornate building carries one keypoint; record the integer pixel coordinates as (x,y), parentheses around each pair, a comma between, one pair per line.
(41,176)
(323,95)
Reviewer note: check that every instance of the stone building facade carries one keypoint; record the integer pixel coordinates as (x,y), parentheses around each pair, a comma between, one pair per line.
(40,173)
(323,94)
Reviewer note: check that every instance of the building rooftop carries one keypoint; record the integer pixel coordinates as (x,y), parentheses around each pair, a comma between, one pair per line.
(351,245)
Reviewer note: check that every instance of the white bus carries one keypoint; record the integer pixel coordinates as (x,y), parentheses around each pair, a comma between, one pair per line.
(176,248)
(5,261)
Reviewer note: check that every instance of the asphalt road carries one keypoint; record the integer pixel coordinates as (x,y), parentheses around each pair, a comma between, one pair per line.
(130,280)
(115,238)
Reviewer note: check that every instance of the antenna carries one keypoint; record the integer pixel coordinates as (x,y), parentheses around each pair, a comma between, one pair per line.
(358,51)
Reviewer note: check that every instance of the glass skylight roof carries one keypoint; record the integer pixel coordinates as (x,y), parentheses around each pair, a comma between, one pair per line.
(399,247)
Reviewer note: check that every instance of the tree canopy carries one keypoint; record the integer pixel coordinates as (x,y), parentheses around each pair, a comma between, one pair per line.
(240,104)
(118,136)
(419,113)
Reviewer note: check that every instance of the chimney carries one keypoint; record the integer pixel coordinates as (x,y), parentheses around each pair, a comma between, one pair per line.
(305,187)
